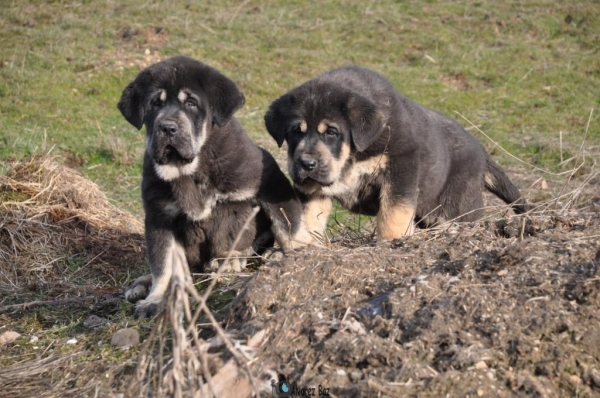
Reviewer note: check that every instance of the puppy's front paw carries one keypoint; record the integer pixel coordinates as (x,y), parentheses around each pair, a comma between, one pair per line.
(233,265)
(237,261)
(273,254)
(146,309)
(139,289)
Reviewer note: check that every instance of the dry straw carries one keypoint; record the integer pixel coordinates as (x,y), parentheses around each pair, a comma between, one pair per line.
(52,217)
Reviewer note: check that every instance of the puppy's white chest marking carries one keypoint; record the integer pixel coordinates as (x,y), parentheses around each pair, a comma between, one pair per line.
(204,207)
(350,183)
(197,213)
(203,210)
(169,172)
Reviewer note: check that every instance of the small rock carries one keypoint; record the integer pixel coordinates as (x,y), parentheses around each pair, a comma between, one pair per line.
(8,337)
(481,365)
(128,33)
(355,327)
(575,379)
(356,376)
(93,321)
(544,184)
(480,392)
(125,338)
(34,339)
(72,341)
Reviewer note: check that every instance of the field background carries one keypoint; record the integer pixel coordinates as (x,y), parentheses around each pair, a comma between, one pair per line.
(526,73)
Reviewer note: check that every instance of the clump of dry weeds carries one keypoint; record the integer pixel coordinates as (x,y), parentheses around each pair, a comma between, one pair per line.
(53,219)
(176,362)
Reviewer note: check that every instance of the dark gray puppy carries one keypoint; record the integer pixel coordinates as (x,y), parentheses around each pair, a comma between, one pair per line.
(202,176)
(352,137)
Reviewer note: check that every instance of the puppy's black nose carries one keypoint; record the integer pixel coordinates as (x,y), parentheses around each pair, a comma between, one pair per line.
(168,128)
(308,164)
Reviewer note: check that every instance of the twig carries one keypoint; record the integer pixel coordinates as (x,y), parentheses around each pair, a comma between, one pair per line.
(237,11)
(71,300)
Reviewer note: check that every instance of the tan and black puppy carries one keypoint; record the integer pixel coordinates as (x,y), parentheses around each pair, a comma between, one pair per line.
(352,137)
(202,176)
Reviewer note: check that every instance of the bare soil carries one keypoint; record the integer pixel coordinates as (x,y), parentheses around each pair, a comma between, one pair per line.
(509,307)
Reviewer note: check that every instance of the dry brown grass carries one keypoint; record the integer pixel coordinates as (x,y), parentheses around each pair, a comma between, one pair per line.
(55,226)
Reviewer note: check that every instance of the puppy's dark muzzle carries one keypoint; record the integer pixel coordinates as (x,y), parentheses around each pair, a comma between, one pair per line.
(168,128)
(308,164)
(169,155)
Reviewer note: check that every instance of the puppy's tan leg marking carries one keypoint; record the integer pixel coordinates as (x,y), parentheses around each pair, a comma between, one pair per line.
(310,231)
(316,213)
(395,217)
(395,221)
(288,242)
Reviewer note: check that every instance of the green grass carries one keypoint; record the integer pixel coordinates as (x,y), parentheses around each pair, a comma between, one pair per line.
(517,70)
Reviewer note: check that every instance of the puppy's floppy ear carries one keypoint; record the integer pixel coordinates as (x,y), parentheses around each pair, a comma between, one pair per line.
(224,97)
(131,104)
(366,122)
(276,118)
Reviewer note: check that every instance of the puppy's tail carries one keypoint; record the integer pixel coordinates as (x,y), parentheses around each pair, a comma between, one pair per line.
(497,182)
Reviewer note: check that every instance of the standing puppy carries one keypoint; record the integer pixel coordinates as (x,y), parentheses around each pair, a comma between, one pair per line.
(352,137)
(202,175)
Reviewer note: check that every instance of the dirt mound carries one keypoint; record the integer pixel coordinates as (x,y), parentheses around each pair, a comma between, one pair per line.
(496,308)
(53,220)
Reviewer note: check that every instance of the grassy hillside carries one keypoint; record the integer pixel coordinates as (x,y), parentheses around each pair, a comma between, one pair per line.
(524,72)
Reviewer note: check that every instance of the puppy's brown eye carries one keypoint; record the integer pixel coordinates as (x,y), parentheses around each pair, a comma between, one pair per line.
(191,105)
(332,132)
(156,103)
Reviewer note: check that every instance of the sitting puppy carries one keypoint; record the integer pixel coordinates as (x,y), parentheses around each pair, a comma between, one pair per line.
(352,137)
(202,176)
